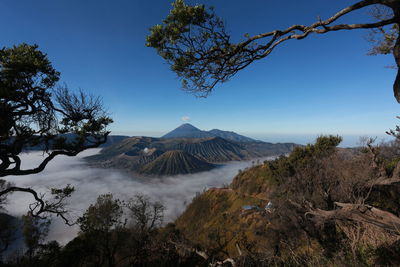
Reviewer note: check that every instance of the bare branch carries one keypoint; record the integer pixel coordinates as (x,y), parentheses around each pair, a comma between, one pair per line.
(41,206)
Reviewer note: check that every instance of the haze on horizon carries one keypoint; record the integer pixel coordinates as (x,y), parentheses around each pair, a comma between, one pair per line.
(321,85)
(349,140)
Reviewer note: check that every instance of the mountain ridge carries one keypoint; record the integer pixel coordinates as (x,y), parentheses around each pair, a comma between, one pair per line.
(175,162)
(187,130)
(134,153)
(199,151)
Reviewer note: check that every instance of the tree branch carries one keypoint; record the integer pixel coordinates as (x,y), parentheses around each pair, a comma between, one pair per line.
(200,52)
(44,207)
(357,213)
(16,171)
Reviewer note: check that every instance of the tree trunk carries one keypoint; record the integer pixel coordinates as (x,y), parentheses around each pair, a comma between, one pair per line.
(357,213)
(396,53)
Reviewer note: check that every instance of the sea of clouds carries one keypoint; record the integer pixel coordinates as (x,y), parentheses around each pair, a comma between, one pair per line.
(174,192)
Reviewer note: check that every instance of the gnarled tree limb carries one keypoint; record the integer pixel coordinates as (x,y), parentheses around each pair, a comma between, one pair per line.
(41,206)
(37,113)
(357,213)
(17,170)
(194,42)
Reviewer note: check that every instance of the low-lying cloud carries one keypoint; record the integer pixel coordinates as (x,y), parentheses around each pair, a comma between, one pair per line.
(89,182)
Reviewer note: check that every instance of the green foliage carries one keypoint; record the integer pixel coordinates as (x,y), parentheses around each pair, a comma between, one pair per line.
(34,111)
(193,41)
(390,165)
(263,179)
(302,156)
(103,216)
(176,23)
(103,229)
(60,193)
(107,240)
(26,75)
(25,67)
(323,146)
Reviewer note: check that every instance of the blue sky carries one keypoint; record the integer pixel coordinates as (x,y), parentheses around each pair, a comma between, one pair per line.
(320,85)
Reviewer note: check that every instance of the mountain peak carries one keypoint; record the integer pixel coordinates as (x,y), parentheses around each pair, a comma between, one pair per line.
(187,130)
(188,126)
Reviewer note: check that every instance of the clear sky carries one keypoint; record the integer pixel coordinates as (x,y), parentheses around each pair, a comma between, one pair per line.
(321,85)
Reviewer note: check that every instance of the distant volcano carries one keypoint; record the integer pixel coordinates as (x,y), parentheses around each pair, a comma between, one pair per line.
(184,150)
(189,131)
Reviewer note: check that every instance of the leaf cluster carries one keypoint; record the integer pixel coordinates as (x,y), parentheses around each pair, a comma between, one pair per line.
(194,42)
(192,39)
(286,166)
(37,113)
(103,216)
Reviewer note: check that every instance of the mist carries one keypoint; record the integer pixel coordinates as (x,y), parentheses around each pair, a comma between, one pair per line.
(175,193)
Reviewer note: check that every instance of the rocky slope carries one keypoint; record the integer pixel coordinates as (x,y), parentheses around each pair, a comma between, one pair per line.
(134,153)
(175,162)
(214,149)
(232,136)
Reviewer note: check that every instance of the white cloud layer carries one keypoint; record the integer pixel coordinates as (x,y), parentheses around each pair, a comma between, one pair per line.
(174,192)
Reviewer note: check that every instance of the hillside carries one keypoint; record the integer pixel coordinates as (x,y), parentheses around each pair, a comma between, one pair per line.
(219,211)
(175,162)
(232,136)
(302,227)
(214,149)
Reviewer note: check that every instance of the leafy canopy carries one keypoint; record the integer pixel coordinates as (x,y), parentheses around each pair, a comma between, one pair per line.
(35,112)
(192,39)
